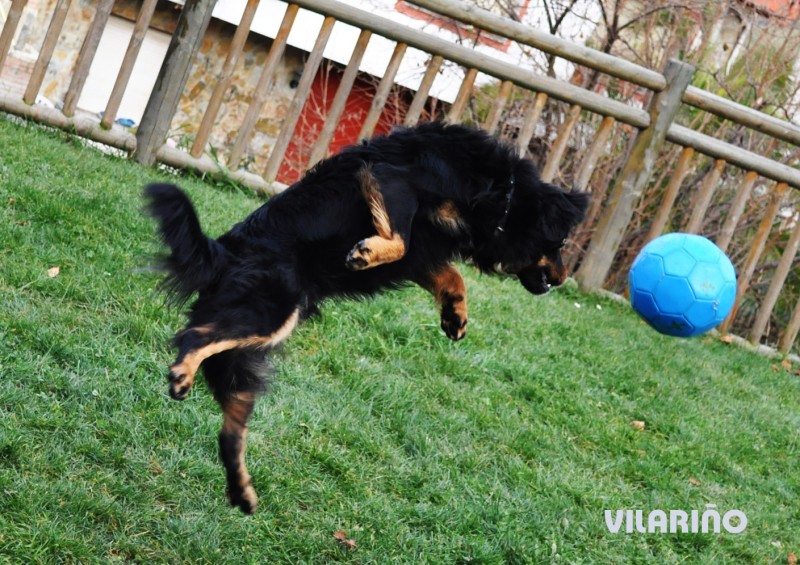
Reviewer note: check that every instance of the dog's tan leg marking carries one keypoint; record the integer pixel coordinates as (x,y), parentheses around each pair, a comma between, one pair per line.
(372,194)
(387,246)
(182,374)
(448,287)
(375,251)
(236,412)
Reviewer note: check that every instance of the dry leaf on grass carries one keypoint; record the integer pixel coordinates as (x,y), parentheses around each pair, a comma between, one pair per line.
(637,425)
(11,201)
(342,538)
(791,559)
(52,272)
(786,364)
(726,338)
(694,481)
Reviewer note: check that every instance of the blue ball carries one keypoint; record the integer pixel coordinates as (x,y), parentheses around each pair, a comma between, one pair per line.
(682,284)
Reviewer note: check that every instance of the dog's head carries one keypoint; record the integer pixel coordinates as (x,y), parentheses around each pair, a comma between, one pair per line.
(533,226)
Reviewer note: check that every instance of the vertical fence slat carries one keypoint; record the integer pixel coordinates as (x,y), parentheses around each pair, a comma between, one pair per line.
(224,78)
(421,96)
(560,144)
(759,241)
(382,92)
(172,78)
(736,210)
(529,125)
(790,334)
(340,100)
(704,196)
(10,28)
(299,100)
(496,112)
(592,156)
(128,61)
(462,98)
(670,194)
(776,285)
(86,56)
(46,51)
(634,177)
(262,87)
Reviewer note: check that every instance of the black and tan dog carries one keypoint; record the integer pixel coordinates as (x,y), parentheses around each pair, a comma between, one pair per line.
(391,210)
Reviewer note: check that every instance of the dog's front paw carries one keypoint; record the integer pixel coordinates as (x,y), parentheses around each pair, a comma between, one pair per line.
(179,385)
(454,316)
(243,497)
(358,258)
(453,325)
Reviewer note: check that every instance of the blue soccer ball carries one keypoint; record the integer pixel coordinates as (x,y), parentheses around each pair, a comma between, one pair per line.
(682,284)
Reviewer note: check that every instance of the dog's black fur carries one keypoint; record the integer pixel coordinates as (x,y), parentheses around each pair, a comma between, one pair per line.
(433,194)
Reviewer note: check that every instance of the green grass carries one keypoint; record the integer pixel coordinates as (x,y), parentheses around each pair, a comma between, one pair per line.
(505,447)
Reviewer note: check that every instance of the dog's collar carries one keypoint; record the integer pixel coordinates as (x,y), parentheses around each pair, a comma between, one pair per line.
(501,225)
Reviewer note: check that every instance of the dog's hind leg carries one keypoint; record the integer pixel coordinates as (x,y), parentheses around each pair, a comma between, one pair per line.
(236,378)
(448,287)
(199,343)
(236,411)
(391,243)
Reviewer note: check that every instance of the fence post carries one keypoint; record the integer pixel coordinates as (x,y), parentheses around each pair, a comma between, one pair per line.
(172,77)
(10,28)
(86,56)
(634,177)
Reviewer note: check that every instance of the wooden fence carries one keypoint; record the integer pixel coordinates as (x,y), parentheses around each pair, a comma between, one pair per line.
(653,128)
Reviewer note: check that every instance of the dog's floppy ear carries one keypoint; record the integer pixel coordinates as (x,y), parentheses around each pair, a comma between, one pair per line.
(560,211)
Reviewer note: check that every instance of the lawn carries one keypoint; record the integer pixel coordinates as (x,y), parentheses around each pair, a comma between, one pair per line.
(506,447)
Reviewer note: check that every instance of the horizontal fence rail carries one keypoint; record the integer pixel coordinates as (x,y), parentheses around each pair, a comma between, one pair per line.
(573,116)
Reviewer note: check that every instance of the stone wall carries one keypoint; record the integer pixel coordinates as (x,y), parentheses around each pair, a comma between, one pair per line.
(205,71)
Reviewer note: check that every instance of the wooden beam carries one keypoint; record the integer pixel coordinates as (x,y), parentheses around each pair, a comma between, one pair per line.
(519,74)
(776,285)
(263,86)
(83,126)
(532,115)
(560,144)
(791,331)
(46,51)
(499,104)
(734,155)
(172,78)
(740,114)
(703,197)
(756,249)
(634,178)
(592,156)
(421,96)
(670,194)
(610,65)
(299,100)
(382,92)
(128,61)
(462,98)
(10,29)
(224,78)
(484,19)
(336,110)
(86,56)
(736,209)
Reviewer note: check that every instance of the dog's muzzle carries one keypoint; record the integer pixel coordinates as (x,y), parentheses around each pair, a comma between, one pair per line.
(545,274)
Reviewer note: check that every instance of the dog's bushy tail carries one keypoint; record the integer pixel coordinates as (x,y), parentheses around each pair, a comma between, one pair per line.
(195,260)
